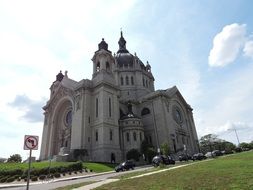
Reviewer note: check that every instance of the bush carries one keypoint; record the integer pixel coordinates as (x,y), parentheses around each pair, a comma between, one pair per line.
(10,179)
(42,177)
(2,180)
(57,175)
(34,178)
(133,154)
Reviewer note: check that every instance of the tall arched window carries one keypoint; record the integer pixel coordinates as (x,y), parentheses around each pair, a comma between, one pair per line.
(98,66)
(143,81)
(110,134)
(121,80)
(107,66)
(127,80)
(127,137)
(110,107)
(134,135)
(132,80)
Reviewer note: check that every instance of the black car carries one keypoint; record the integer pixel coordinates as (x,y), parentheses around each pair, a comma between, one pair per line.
(125,166)
(184,157)
(198,156)
(163,160)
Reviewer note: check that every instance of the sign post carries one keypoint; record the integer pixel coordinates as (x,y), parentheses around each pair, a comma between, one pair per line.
(30,143)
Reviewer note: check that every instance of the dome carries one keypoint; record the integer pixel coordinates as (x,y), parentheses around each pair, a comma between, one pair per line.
(125,59)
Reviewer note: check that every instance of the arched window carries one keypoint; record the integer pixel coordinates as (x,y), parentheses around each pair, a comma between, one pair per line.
(143,81)
(140,136)
(107,66)
(96,135)
(127,80)
(134,135)
(110,134)
(110,107)
(121,80)
(127,137)
(69,118)
(98,66)
(145,111)
(132,80)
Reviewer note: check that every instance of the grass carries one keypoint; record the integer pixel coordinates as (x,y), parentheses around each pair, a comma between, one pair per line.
(38,165)
(69,187)
(99,167)
(232,172)
(95,167)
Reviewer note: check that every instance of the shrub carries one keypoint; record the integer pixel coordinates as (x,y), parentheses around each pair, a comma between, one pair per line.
(133,154)
(34,178)
(10,179)
(3,180)
(57,175)
(42,177)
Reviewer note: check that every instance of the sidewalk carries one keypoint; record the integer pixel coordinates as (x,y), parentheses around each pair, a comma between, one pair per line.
(6,185)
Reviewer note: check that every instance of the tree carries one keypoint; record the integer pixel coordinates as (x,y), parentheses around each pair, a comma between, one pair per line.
(15,158)
(148,150)
(207,142)
(133,154)
(165,149)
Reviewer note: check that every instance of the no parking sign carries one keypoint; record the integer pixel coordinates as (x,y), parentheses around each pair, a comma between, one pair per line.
(31,142)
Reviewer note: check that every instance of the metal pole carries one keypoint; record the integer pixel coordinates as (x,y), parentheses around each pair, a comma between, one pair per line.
(28,172)
(237,137)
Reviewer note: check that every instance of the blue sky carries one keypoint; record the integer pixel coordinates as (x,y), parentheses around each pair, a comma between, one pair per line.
(205,48)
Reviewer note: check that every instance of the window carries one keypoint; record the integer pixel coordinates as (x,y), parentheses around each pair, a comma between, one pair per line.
(150,139)
(98,67)
(110,134)
(96,135)
(107,66)
(140,136)
(146,83)
(69,118)
(134,135)
(96,107)
(145,111)
(143,81)
(132,80)
(127,80)
(121,80)
(127,137)
(110,108)
(66,143)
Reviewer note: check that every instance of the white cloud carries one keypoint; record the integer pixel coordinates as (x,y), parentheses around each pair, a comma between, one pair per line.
(248,49)
(227,45)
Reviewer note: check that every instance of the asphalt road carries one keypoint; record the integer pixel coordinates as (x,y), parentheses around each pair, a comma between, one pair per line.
(56,184)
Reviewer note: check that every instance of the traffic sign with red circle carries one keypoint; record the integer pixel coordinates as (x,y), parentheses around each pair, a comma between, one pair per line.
(31,142)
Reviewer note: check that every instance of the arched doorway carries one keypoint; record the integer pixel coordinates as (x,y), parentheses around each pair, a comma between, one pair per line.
(62,128)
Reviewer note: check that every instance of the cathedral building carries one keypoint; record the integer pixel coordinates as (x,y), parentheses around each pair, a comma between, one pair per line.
(115,111)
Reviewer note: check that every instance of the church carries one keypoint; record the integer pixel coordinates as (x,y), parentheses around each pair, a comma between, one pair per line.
(115,111)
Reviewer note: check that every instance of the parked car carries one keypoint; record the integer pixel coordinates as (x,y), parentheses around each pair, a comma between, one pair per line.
(162,159)
(184,157)
(217,153)
(198,156)
(125,166)
(209,155)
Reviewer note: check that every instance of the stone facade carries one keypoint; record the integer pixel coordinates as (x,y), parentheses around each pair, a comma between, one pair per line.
(115,111)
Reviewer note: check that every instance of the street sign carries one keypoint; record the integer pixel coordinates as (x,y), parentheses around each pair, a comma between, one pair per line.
(31,142)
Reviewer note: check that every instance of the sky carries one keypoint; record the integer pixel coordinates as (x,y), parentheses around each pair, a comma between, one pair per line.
(205,48)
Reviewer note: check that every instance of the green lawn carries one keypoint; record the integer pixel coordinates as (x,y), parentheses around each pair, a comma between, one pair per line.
(95,167)
(38,165)
(99,167)
(231,172)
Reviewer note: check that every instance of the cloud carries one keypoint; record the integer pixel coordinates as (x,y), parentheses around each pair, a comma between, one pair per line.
(248,49)
(227,45)
(32,109)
